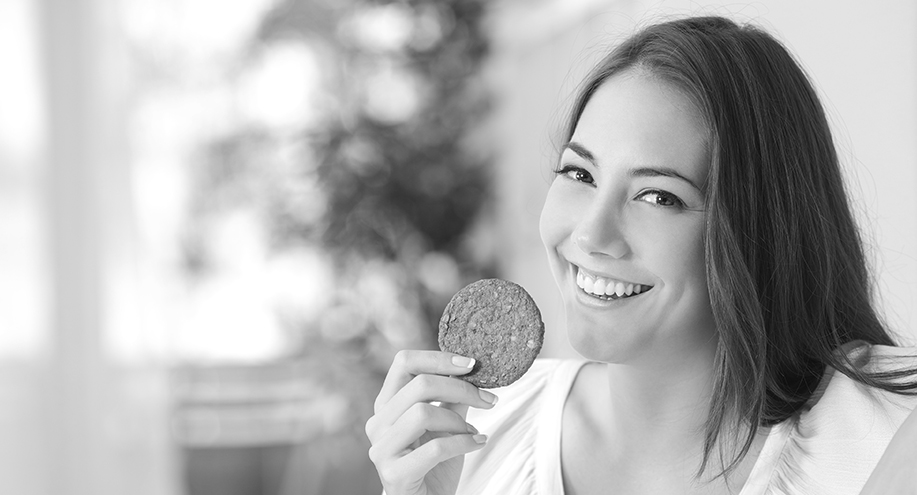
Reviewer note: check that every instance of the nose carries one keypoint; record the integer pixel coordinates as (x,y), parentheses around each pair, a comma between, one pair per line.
(599,234)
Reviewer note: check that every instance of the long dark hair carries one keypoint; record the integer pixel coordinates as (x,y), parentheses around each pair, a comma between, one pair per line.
(786,270)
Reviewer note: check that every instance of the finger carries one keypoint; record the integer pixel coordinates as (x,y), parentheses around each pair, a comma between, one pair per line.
(424,458)
(460,409)
(429,388)
(418,420)
(374,429)
(410,363)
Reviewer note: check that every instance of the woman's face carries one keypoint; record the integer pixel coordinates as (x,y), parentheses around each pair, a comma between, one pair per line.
(623,225)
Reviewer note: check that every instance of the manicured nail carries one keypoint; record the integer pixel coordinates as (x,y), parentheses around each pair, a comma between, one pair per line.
(463,362)
(488,397)
(480,438)
(472,429)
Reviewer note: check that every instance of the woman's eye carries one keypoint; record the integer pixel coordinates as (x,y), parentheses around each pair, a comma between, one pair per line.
(576,173)
(661,198)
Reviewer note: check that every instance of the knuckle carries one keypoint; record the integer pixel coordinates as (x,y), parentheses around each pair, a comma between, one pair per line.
(374,454)
(388,474)
(437,448)
(370,427)
(401,358)
(424,382)
(421,412)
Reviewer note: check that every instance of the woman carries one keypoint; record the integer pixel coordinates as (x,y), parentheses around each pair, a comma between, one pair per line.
(713,277)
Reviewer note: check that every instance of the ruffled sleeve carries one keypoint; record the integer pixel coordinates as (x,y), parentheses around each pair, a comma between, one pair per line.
(833,444)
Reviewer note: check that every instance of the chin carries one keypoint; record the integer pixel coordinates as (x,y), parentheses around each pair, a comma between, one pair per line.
(606,344)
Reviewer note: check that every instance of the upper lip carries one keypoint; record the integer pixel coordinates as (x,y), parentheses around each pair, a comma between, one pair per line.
(616,278)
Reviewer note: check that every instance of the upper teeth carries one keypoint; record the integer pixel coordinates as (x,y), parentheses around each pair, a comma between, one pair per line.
(607,287)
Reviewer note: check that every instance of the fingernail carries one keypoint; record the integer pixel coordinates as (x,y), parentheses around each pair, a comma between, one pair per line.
(472,429)
(462,361)
(488,397)
(480,438)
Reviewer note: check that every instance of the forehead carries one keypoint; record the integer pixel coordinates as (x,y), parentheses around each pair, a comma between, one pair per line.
(635,119)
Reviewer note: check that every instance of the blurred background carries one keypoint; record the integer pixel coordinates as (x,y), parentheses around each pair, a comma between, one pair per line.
(220,220)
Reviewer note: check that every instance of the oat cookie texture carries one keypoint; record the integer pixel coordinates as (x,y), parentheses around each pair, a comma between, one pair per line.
(497,323)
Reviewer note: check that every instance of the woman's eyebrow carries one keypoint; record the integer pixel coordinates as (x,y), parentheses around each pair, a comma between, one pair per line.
(581,151)
(584,153)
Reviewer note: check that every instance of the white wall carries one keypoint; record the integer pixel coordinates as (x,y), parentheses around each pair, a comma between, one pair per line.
(861,56)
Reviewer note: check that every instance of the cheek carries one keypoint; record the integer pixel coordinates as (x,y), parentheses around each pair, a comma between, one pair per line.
(696,259)
(687,276)
(552,224)
(677,250)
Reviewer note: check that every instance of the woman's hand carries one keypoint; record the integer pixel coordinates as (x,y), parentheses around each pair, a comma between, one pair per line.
(418,448)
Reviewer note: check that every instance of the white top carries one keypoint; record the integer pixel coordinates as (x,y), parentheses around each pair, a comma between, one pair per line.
(829,447)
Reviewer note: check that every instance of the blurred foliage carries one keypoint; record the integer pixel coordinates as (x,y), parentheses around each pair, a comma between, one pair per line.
(396,179)
(388,178)
(384,175)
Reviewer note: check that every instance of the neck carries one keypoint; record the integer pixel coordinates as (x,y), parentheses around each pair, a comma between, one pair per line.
(657,407)
(648,425)
(669,400)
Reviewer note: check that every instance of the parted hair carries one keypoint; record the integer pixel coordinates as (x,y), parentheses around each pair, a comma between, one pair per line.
(786,270)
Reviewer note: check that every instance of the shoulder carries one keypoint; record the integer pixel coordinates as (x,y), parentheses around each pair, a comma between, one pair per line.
(834,443)
(840,396)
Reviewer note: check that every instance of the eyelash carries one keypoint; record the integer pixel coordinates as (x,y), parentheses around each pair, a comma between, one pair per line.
(676,202)
(566,169)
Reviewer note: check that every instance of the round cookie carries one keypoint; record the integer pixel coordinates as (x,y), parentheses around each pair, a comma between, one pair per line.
(497,323)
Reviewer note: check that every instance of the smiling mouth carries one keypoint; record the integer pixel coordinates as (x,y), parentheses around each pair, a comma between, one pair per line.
(608,289)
